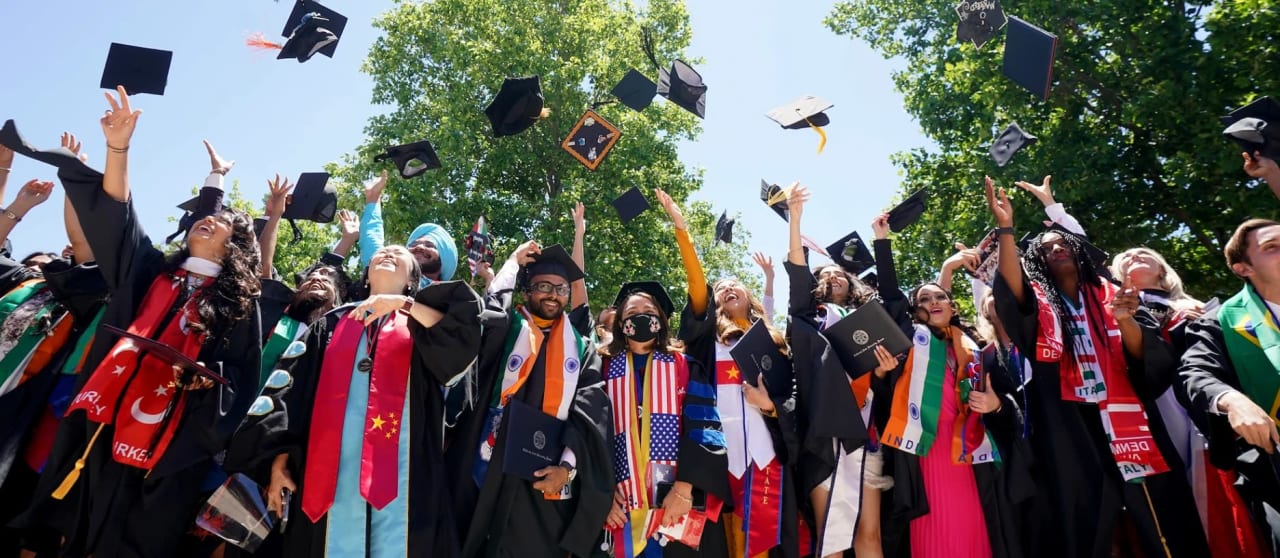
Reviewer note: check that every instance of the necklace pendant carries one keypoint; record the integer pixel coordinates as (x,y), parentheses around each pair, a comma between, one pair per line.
(365,365)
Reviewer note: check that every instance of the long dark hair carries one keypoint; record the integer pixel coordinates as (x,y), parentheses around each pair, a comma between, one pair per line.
(1037,270)
(618,342)
(859,292)
(964,326)
(235,290)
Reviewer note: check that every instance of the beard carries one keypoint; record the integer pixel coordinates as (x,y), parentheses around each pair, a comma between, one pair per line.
(431,267)
(306,304)
(537,309)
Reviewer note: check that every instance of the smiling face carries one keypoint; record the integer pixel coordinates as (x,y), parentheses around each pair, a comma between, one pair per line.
(321,282)
(208,238)
(1142,267)
(391,270)
(933,306)
(428,256)
(732,299)
(547,296)
(834,282)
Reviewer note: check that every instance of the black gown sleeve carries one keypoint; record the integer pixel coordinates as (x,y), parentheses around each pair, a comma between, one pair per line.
(702,457)
(891,295)
(447,349)
(582,321)
(112,228)
(221,409)
(273,302)
(698,331)
(1205,374)
(802,304)
(589,434)
(13,273)
(1155,372)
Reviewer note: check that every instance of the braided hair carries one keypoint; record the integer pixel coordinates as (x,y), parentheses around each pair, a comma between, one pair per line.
(1036,267)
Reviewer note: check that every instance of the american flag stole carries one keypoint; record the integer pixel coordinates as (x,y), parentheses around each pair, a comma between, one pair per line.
(646,430)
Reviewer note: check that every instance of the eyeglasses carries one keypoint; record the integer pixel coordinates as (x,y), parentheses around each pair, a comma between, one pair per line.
(926,299)
(548,288)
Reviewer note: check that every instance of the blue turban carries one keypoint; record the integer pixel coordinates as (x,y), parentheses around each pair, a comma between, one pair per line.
(444,245)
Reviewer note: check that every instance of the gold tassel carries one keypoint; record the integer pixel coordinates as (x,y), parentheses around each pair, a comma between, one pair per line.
(781,195)
(821,134)
(74,475)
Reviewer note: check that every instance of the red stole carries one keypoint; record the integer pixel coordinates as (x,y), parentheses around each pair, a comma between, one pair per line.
(133,390)
(387,389)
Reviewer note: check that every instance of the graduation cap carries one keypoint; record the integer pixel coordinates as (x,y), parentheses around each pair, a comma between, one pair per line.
(1028,56)
(630,204)
(553,260)
(683,86)
(138,69)
(1096,255)
(980,20)
(775,197)
(651,288)
(311,29)
(1009,142)
(313,199)
(636,90)
(517,106)
(59,156)
(806,112)
(411,159)
(851,253)
(909,211)
(1256,127)
(479,245)
(724,228)
(207,202)
(591,140)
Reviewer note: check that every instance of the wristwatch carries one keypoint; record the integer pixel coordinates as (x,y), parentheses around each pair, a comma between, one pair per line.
(573,471)
(407,307)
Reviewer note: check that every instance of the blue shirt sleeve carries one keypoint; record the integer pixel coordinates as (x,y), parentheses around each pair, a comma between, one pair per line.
(371,236)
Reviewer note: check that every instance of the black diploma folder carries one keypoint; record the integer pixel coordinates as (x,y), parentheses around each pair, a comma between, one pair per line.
(167,353)
(855,337)
(756,354)
(533,440)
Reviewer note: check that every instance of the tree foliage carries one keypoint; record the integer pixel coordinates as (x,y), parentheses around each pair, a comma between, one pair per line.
(1130,131)
(438,65)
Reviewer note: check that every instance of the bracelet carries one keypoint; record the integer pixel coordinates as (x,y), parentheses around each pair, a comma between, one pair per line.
(125,149)
(1000,231)
(10,214)
(5,169)
(408,305)
(683,497)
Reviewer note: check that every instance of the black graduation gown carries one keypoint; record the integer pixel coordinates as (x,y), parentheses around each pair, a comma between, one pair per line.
(1080,491)
(1206,373)
(441,352)
(116,510)
(698,332)
(506,516)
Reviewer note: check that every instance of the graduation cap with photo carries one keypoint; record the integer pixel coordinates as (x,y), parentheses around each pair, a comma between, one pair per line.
(630,204)
(591,140)
(652,288)
(724,228)
(1009,142)
(1255,127)
(979,21)
(806,112)
(1028,56)
(909,210)
(988,258)
(517,106)
(479,245)
(138,69)
(311,29)
(775,197)
(851,253)
(411,159)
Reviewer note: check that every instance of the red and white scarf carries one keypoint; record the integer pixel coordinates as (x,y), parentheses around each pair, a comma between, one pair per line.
(1123,415)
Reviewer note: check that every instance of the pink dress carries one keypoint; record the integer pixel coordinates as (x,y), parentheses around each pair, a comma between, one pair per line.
(955,526)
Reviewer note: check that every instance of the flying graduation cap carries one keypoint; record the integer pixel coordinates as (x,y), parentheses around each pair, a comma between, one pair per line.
(630,204)
(682,85)
(311,29)
(313,199)
(1009,142)
(138,69)
(1028,56)
(909,211)
(724,228)
(479,245)
(412,159)
(851,253)
(806,112)
(636,90)
(1256,127)
(591,140)
(980,20)
(775,197)
(516,107)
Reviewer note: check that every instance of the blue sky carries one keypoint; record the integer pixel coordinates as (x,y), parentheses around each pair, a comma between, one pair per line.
(281,116)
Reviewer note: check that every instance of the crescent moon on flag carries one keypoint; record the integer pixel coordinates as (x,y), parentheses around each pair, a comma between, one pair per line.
(144,418)
(127,347)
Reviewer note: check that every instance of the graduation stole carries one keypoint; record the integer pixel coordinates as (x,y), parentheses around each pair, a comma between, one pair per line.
(132,389)
(37,333)
(1249,329)
(287,330)
(563,365)
(917,400)
(1123,416)
(388,384)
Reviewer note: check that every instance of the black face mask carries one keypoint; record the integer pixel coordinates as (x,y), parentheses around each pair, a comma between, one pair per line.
(641,327)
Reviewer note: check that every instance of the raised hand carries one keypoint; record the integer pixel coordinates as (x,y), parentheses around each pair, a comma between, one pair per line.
(349,224)
(119,121)
(1125,304)
(373,190)
(1042,192)
(673,210)
(525,252)
(765,263)
(998,203)
(964,257)
(279,198)
(579,220)
(880,226)
(70,143)
(217,164)
(33,193)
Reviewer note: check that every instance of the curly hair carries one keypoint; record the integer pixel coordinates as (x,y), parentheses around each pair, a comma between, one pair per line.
(1037,270)
(728,330)
(964,326)
(234,293)
(618,342)
(859,292)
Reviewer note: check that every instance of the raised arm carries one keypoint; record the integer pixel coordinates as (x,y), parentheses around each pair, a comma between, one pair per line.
(579,287)
(33,193)
(1256,166)
(6,166)
(1054,210)
(81,252)
(371,233)
(964,258)
(276,202)
(766,267)
(117,126)
(1010,266)
(349,226)
(692,267)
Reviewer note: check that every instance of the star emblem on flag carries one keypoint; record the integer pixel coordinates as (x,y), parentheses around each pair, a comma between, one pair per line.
(377,424)
(733,373)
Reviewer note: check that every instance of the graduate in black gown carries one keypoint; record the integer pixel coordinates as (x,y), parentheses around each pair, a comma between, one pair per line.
(533,353)
(125,472)
(337,428)
(1093,350)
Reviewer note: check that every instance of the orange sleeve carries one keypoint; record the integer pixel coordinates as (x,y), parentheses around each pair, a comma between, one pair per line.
(693,269)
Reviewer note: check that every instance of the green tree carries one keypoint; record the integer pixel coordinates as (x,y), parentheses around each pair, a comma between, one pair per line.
(1130,131)
(439,64)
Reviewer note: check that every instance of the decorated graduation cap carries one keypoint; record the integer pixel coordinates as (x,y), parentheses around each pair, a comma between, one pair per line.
(479,245)
(724,228)
(775,197)
(909,211)
(311,29)
(552,260)
(59,157)
(591,140)
(1009,142)
(1028,56)
(1256,127)
(411,159)
(979,21)
(651,288)
(682,85)
(516,107)
(806,112)
(635,90)
(313,199)
(630,204)
(851,253)
(138,69)
(207,202)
